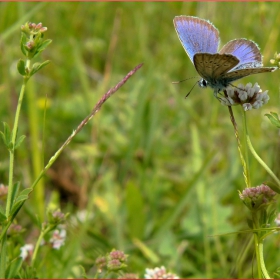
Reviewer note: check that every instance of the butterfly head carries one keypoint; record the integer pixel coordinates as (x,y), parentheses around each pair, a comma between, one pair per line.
(202,83)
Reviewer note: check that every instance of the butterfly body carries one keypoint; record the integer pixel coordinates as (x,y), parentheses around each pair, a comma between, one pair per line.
(237,59)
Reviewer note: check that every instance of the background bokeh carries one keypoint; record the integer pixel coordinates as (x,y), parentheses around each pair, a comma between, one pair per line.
(153,174)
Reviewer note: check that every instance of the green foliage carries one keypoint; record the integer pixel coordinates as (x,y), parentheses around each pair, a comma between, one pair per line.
(153,174)
(13,268)
(274,118)
(6,136)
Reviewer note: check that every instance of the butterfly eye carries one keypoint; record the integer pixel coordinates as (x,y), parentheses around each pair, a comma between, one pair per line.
(202,83)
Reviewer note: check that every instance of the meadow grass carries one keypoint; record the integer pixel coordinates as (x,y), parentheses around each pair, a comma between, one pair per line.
(157,174)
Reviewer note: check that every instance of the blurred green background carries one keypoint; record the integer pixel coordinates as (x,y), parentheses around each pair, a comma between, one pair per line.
(156,173)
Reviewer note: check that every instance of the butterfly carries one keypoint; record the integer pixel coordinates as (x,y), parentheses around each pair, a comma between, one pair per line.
(237,59)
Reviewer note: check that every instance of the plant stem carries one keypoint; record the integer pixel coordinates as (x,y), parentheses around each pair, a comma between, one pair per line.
(12,150)
(256,241)
(263,268)
(243,162)
(257,157)
(262,271)
(3,257)
(96,108)
(38,243)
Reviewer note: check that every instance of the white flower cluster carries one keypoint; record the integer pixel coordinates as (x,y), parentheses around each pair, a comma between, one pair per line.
(159,273)
(58,238)
(250,97)
(26,250)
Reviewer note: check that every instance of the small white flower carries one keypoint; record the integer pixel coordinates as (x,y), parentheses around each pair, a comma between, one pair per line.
(247,106)
(243,95)
(26,250)
(230,92)
(256,87)
(257,104)
(159,273)
(58,238)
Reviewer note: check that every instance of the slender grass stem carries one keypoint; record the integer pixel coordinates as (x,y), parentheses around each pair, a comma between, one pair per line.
(243,162)
(12,151)
(257,157)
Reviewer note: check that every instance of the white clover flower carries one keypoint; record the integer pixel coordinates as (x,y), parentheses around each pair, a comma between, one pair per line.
(159,273)
(58,238)
(250,97)
(26,250)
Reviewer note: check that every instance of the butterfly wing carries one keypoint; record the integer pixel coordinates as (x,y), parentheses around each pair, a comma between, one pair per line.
(196,35)
(212,67)
(238,74)
(246,51)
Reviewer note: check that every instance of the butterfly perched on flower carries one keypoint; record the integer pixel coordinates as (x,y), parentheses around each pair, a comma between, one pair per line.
(237,59)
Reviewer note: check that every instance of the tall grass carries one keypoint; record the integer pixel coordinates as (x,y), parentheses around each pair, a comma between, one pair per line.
(157,173)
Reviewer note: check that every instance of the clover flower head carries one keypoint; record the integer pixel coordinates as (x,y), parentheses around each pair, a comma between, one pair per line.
(258,197)
(249,96)
(159,273)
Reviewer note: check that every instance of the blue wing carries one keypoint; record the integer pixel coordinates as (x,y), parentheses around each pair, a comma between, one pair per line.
(247,52)
(196,35)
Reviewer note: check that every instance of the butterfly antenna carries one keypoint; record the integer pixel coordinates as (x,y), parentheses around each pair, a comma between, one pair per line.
(178,82)
(191,89)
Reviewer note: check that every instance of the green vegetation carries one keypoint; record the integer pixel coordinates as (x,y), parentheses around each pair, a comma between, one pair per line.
(152,174)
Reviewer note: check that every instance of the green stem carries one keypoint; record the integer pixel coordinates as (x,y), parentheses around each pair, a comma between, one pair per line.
(9,204)
(3,257)
(38,243)
(243,161)
(262,271)
(256,240)
(246,150)
(257,157)
(262,264)
(12,151)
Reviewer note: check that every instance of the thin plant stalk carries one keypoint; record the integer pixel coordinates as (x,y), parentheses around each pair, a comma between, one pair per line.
(257,157)
(12,150)
(96,108)
(243,162)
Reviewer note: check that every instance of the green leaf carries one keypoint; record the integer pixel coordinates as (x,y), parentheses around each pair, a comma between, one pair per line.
(37,66)
(135,211)
(28,272)
(84,274)
(19,201)
(13,268)
(274,119)
(42,46)
(45,44)
(15,190)
(3,217)
(25,192)
(19,141)
(22,44)
(6,135)
(21,67)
